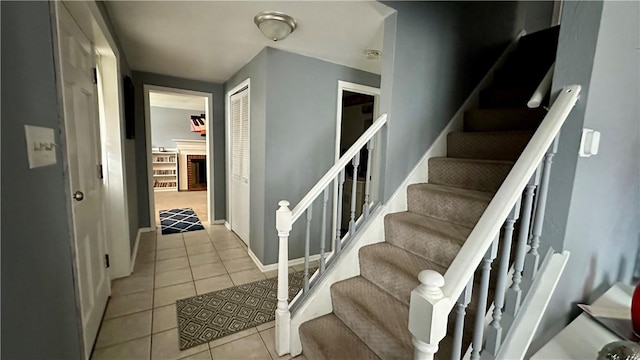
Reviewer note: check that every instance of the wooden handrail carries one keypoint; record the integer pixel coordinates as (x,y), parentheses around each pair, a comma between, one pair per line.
(483,234)
(331,174)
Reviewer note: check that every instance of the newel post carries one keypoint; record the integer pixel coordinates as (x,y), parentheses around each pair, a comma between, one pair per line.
(283,317)
(428,314)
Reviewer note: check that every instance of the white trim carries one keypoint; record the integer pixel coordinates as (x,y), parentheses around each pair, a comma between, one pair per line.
(360,89)
(227,138)
(209,146)
(293,262)
(135,246)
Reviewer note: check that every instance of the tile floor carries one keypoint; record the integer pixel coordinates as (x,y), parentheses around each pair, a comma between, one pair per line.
(140,320)
(197,200)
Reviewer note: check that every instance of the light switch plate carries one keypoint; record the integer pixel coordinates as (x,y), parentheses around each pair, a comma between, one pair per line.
(41,146)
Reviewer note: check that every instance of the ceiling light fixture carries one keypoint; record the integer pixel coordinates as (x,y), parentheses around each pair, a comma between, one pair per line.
(275,25)
(373,54)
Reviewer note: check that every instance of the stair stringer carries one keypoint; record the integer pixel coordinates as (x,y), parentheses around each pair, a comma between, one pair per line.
(318,302)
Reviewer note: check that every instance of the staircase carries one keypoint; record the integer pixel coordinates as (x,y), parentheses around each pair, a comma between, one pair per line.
(371,311)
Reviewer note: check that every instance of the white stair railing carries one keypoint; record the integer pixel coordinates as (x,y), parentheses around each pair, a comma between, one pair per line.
(286,218)
(542,90)
(433,300)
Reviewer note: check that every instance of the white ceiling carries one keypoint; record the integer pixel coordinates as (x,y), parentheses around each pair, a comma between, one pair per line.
(177,101)
(212,40)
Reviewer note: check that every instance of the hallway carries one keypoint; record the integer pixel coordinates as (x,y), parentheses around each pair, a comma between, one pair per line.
(140,321)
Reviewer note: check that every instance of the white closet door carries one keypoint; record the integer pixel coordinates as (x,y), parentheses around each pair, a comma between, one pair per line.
(240,161)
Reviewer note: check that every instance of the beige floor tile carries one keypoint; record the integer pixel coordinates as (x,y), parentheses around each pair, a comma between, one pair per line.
(131,284)
(129,304)
(170,253)
(234,253)
(169,243)
(165,346)
(249,347)
(229,338)
(176,236)
(134,349)
(218,236)
(200,249)
(124,328)
(235,265)
(227,244)
(205,355)
(200,240)
(207,258)
(266,326)
(271,274)
(172,264)
(208,270)
(169,295)
(145,257)
(164,318)
(173,277)
(212,284)
(143,269)
(269,338)
(195,233)
(246,276)
(148,244)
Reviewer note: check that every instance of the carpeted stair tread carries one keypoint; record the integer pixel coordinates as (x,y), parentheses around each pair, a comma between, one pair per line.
(456,205)
(393,269)
(430,238)
(377,318)
(506,97)
(329,338)
(474,174)
(503,119)
(504,145)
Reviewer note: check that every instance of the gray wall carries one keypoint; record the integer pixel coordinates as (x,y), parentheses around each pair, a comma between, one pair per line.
(256,70)
(168,124)
(602,227)
(38,299)
(139,80)
(302,97)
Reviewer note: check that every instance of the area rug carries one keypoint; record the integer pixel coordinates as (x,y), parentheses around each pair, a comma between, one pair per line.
(206,317)
(179,220)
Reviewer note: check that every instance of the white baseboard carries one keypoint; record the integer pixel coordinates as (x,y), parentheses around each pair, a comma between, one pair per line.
(227,225)
(293,262)
(219,222)
(319,301)
(135,247)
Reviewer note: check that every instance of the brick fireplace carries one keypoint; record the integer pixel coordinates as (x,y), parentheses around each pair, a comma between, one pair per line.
(196,172)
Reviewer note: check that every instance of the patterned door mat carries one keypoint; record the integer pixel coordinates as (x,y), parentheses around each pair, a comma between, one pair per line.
(206,317)
(179,220)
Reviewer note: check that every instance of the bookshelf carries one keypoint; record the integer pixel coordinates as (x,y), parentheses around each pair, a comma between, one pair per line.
(165,170)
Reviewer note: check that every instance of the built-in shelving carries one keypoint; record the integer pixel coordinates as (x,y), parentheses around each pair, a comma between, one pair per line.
(165,170)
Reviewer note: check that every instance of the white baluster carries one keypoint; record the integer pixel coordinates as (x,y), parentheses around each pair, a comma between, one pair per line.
(339,214)
(354,194)
(461,306)
(428,314)
(283,317)
(306,249)
(478,329)
(367,187)
(323,235)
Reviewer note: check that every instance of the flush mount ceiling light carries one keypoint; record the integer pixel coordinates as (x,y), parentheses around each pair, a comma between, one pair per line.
(275,25)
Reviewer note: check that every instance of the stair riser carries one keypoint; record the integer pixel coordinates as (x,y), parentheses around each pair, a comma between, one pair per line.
(445,206)
(327,338)
(503,120)
(499,98)
(474,176)
(491,146)
(421,241)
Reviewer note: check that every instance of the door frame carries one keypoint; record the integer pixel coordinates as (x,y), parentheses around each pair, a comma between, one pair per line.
(365,90)
(227,101)
(114,211)
(208,147)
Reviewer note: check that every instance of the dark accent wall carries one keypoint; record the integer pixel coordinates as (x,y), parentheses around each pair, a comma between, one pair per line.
(38,299)
(598,49)
(435,56)
(143,78)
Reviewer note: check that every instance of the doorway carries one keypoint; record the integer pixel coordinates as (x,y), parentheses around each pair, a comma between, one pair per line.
(179,152)
(238,159)
(357,109)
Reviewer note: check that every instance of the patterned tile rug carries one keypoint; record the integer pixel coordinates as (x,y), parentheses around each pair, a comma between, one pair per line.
(179,220)
(220,313)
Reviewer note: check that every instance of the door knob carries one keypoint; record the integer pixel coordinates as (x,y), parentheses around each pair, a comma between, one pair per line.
(78,195)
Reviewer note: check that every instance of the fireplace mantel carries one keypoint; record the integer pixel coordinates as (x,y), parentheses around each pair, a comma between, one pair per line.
(187,147)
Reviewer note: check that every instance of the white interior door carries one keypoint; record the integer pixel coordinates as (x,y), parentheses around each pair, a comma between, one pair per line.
(240,159)
(77,61)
